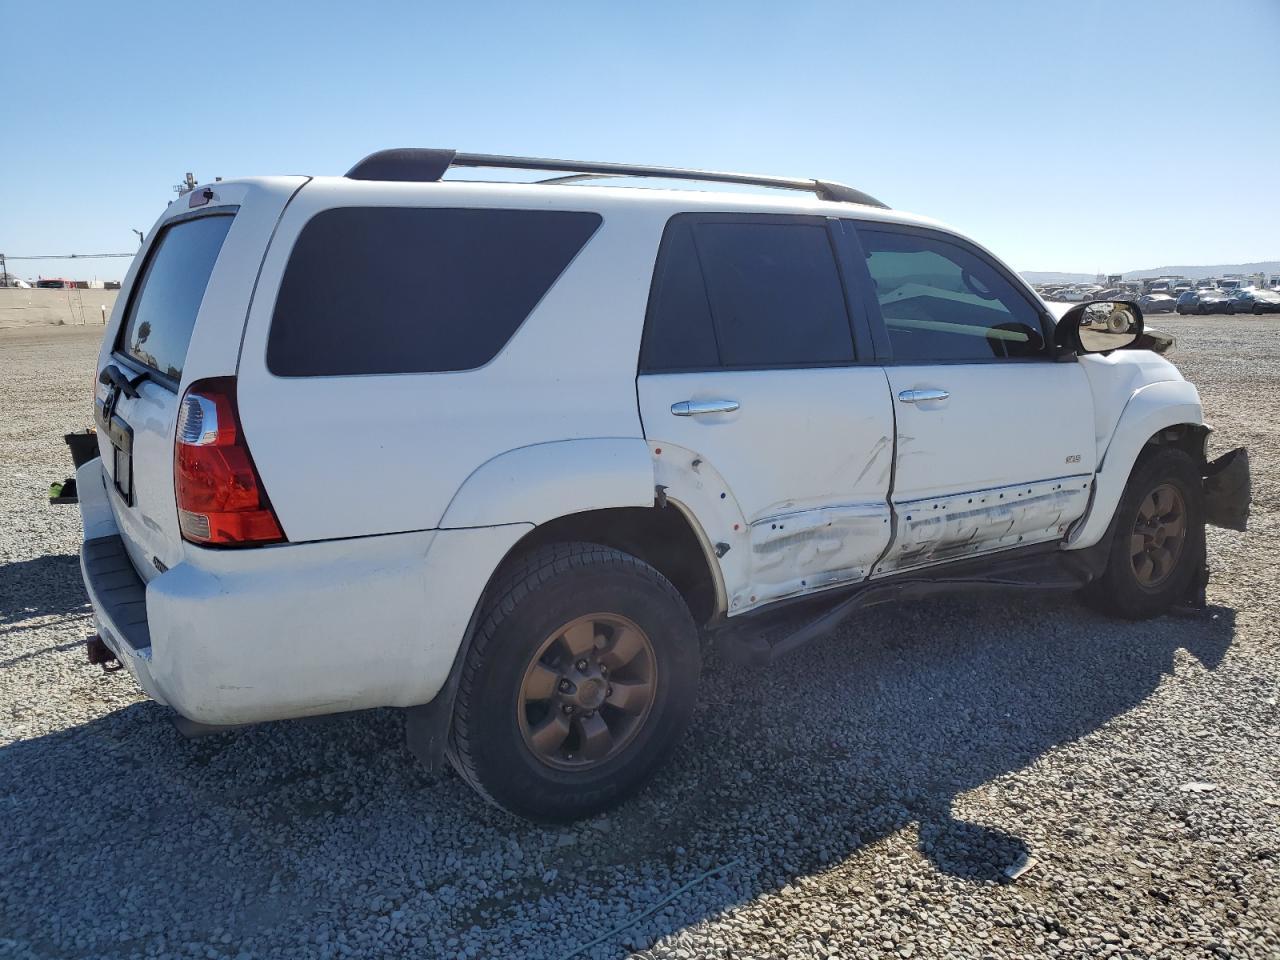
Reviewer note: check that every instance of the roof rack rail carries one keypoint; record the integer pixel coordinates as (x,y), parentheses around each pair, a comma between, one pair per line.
(423,165)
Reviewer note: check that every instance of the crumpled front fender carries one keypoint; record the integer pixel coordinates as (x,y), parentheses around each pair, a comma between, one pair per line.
(1228,489)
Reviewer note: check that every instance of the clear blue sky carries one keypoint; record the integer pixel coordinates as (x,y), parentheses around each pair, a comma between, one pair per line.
(1064,135)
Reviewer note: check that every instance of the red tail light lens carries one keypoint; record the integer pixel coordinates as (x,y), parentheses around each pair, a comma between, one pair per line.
(221,500)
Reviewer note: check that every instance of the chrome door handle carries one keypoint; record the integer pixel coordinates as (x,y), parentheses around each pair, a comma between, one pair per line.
(918,396)
(694,408)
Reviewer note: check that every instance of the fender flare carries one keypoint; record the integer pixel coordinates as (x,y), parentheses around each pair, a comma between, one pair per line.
(543,481)
(1152,408)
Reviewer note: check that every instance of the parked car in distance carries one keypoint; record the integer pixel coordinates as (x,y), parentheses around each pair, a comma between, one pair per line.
(1254,301)
(1212,301)
(556,426)
(1157,303)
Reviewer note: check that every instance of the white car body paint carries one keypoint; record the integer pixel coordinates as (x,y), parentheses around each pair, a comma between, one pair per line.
(539,483)
(400,495)
(150,525)
(303,629)
(1149,409)
(980,471)
(810,513)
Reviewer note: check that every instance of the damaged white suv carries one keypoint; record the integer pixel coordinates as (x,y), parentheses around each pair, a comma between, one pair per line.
(495,452)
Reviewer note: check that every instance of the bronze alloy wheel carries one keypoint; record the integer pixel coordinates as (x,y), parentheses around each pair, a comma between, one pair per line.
(587,691)
(1159,533)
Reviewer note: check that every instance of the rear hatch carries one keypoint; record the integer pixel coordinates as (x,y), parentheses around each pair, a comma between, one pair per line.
(179,318)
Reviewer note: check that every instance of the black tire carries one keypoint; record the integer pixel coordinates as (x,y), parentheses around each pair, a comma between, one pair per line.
(1119,591)
(533,598)
(1231,310)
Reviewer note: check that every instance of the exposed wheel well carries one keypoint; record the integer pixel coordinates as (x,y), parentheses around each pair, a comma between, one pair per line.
(660,536)
(1189,437)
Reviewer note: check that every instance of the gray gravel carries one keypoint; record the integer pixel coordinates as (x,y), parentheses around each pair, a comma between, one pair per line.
(865,797)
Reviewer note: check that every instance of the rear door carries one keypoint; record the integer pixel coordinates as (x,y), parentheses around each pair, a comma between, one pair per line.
(179,318)
(995,445)
(755,399)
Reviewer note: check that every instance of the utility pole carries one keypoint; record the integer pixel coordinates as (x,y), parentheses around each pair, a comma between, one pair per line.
(4,268)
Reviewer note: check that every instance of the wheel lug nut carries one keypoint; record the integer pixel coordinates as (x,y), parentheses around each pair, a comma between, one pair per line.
(608,691)
(565,686)
(567,708)
(604,671)
(582,666)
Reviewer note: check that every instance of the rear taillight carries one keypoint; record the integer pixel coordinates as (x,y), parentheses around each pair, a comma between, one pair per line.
(221,500)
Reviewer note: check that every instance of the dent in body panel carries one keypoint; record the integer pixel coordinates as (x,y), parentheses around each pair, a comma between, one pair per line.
(808,550)
(936,529)
(793,547)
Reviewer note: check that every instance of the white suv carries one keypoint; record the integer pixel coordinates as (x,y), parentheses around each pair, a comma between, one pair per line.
(495,452)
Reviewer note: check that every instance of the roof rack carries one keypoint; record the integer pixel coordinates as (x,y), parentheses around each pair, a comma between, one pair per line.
(424,165)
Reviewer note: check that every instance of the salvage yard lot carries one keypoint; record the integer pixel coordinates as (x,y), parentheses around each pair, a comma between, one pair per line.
(862,799)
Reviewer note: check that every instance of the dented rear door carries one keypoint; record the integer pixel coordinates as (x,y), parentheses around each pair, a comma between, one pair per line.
(763,419)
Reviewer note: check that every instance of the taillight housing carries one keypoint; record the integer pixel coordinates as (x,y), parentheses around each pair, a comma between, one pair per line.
(221,500)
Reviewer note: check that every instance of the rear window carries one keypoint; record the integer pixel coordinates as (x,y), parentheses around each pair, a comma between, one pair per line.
(378,290)
(167,295)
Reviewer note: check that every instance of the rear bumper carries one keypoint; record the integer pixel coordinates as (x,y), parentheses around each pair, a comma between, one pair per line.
(238,636)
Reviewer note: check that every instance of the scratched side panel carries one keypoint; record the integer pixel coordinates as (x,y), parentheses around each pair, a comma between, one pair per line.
(936,529)
(792,486)
(809,550)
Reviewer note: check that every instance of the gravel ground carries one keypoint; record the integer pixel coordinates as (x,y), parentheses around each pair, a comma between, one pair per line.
(861,800)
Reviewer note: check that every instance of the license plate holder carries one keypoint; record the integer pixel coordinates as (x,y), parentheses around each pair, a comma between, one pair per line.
(120,434)
(122,470)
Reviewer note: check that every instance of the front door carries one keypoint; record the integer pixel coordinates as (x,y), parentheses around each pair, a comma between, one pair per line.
(995,440)
(764,424)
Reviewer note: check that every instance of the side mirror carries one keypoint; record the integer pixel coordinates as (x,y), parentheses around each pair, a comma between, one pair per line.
(1099,326)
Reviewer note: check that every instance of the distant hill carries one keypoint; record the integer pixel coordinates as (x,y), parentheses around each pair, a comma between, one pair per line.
(1053,276)
(1269,267)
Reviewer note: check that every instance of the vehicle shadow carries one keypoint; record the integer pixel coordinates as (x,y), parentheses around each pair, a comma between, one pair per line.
(48,585)
(306,830)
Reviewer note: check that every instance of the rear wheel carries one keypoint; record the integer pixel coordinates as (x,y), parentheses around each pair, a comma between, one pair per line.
(581,678)
(1159,538)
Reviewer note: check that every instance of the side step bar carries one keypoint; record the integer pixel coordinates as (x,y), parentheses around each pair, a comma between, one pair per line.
(750,641)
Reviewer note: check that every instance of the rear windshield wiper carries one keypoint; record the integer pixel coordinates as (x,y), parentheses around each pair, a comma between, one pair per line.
(111,374)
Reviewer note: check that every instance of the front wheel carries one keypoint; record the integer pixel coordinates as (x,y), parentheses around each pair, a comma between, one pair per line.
(1159,538)
(580,681)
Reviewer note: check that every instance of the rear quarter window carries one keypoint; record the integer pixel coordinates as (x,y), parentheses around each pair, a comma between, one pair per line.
(382,290)
(167,295)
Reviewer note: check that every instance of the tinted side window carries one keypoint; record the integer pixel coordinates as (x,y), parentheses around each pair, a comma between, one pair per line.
(167,294)
(748,292)
(942,302)
(678,334)
(775,293)
(415,290)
